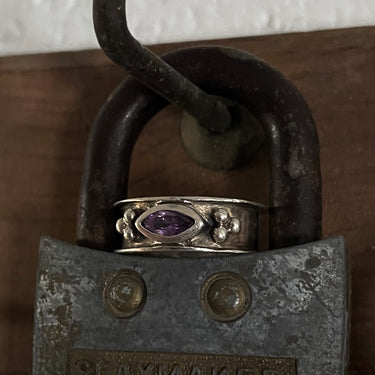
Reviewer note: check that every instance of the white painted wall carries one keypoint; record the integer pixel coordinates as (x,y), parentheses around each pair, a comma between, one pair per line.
(55,25)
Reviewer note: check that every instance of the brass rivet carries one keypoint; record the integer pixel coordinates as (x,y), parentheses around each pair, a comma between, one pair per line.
(124,293)
(225,296)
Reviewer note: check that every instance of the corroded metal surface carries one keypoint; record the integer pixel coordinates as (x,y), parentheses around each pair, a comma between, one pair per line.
(138,363)
(225,296)
(124,293)
(299,306)
(235,148)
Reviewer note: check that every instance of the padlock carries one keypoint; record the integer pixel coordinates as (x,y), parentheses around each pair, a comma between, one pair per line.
(287,309)
(176,285)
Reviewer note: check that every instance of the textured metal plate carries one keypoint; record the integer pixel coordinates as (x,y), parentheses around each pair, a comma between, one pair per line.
(97,362)
(299,307)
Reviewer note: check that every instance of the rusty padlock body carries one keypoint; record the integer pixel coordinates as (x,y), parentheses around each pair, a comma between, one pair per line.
(297,322)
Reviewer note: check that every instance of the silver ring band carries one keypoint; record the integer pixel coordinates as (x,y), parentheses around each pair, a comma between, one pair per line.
(188,224)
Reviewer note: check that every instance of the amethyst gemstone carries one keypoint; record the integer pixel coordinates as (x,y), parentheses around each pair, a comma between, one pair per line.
(167,222)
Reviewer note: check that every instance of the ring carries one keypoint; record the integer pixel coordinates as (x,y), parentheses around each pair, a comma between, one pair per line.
(188,224)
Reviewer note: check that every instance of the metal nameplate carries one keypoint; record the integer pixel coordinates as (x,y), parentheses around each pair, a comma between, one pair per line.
(97,362)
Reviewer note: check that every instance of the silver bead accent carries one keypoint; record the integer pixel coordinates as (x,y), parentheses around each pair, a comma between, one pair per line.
(220,234)
(123,225)
(225,224)
(128,233)
(120,225)
(221,215)
(235,225)
(129,216)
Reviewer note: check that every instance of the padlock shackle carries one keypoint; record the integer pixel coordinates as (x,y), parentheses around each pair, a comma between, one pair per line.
(295,183)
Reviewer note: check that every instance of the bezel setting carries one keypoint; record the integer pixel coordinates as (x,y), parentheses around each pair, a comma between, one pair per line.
(182,237)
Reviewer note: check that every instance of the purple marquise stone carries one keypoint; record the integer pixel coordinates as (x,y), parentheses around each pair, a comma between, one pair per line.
(167,222)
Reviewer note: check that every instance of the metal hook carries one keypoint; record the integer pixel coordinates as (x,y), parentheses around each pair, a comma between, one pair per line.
(121,47)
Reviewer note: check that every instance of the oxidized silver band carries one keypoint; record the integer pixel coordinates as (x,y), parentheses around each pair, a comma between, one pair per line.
(188,224)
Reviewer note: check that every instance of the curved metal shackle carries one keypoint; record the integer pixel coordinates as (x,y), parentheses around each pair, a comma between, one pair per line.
(295,183)
(121,47)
